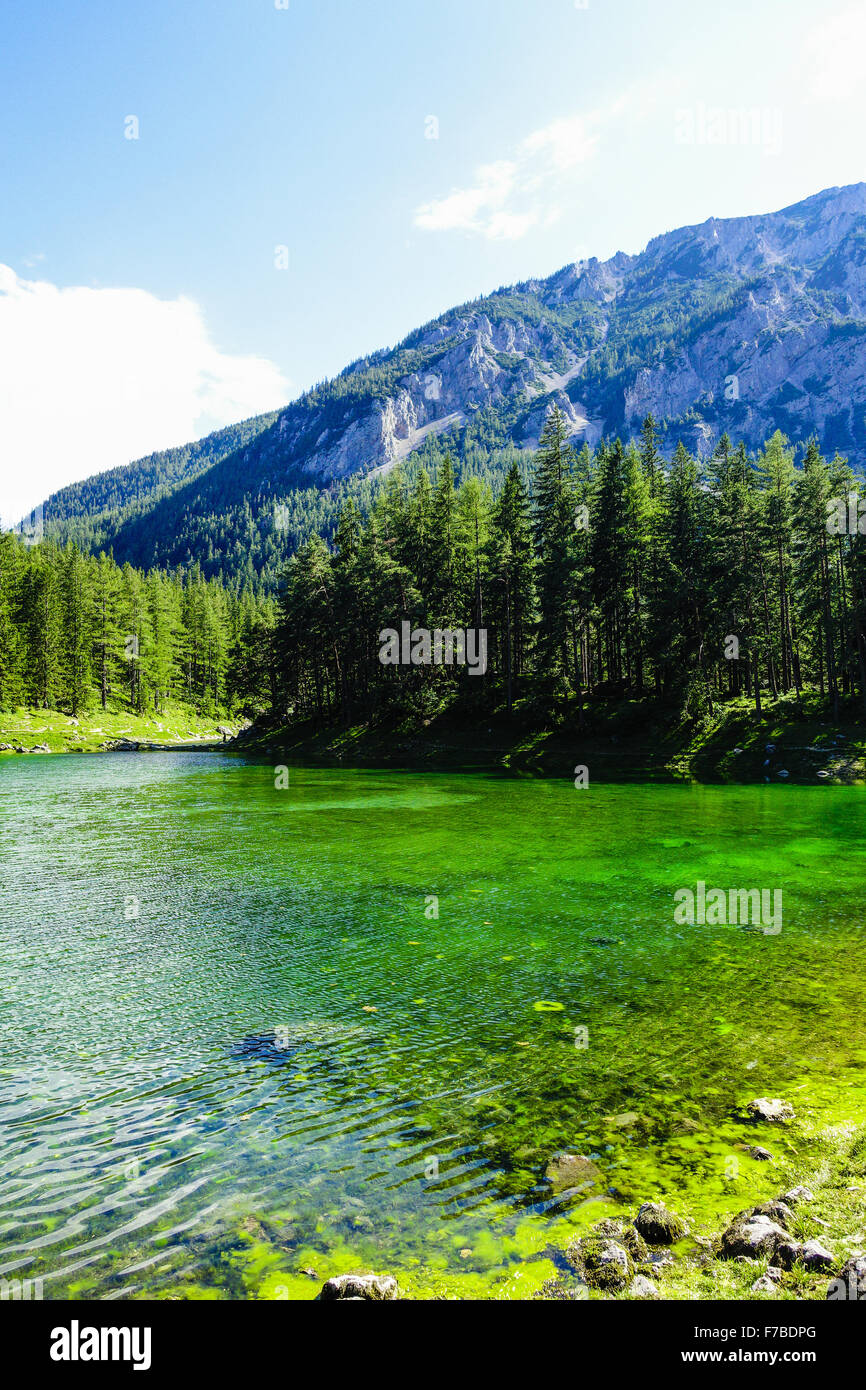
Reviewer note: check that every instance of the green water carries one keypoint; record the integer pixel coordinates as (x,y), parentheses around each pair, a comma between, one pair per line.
(237,1044)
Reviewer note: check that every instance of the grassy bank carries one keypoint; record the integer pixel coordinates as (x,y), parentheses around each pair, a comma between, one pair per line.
(59,733)
(618,741)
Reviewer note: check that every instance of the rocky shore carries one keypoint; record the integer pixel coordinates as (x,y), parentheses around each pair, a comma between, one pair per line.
(781,1248)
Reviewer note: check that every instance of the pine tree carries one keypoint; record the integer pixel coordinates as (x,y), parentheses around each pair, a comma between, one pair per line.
(555,530)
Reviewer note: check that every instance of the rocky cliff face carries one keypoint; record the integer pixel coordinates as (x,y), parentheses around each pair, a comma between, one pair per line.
(747,324)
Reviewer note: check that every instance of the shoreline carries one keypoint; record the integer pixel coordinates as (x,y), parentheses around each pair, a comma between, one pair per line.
(617,746)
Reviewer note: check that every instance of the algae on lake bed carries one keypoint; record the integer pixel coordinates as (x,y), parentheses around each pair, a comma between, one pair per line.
(251,1032)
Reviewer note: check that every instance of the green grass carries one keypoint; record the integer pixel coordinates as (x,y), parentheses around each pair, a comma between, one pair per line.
(93,729)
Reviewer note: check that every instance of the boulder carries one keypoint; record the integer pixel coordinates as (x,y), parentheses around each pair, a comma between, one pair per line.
(754,1234)
(624,1235)
(607,1265)
(359,1288)
(763,1155)
(772,1111)
(658,1226)
(777,1211)
(817,1256)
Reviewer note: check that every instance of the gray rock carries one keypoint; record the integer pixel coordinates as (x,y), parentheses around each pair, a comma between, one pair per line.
(773,1111)
(363,1288)
(777,1211)
(755,1234)
(609,1266)
(817,1256)
(625,1235)
(768,1282)
(797,1194)
(641,1287)
(763,1155)
(658,1226)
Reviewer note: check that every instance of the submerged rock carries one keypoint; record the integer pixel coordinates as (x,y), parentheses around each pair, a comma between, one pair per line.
(773,1111)
(360,1288)
(627,1120)
(562,1291)
(572,1173)
(658,1226)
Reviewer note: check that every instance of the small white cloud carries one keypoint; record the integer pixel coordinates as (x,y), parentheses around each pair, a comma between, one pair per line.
(509,197)
(93,378)
(471,209)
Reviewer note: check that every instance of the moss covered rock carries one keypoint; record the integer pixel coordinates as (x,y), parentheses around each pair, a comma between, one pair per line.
(659,1226)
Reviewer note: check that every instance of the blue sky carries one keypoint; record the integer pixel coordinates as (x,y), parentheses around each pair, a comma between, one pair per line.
(140,302)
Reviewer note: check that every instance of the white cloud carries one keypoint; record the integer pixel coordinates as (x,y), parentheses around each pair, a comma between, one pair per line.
(507,199)
(93,378)
(471,209)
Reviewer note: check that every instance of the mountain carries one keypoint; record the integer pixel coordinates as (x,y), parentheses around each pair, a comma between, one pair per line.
(744,325)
